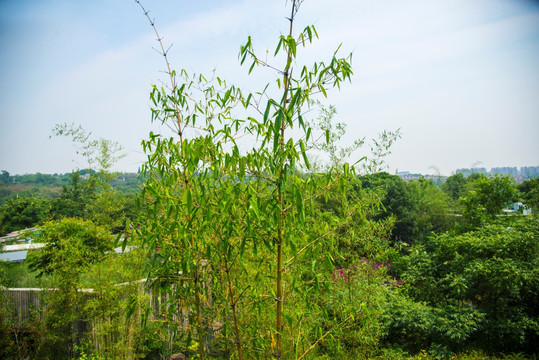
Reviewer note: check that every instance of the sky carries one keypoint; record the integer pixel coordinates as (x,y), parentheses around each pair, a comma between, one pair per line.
(459,78)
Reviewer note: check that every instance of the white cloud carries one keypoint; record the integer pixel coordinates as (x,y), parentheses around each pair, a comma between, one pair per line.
(442,71)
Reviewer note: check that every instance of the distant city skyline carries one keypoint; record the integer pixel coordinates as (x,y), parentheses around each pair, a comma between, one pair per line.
(518,174)
(497,169)
(459,78)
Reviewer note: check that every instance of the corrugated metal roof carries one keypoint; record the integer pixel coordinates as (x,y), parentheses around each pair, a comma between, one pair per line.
(23,247)
(15,256)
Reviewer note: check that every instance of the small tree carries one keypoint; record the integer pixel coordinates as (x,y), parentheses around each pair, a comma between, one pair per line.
(455,186)
(244,223)
(488,198)
(187,175)
(72,246)
(529,191)
(478,288)
(93,198)
(100,154)
(21,213)
(4,177)
(333,132)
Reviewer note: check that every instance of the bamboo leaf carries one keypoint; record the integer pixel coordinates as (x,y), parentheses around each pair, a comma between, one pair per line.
(279,45)
(254,207)
(304,154)
(308,134)
(292,45)
(266,113)
(323,91)
(248,100)
(188,200)
(277,130)
(299,207)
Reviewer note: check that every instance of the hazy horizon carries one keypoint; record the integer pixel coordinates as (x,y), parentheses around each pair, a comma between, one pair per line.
(432,173)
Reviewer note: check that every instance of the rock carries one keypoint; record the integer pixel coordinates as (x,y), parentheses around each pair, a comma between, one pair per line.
(177,357)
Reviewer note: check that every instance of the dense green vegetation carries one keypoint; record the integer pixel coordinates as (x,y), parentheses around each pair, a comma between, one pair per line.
(85,195)
(456,289)
(47,186)
(256,253)
(78,257)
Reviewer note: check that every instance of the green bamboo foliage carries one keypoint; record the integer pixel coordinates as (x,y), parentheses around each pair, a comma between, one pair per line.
(283,154)
(228,230)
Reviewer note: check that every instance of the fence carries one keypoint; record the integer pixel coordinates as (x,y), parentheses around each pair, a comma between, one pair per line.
(23,304)
(26,308)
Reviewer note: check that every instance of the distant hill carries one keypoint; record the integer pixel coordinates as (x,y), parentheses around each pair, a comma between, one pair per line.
(49,186)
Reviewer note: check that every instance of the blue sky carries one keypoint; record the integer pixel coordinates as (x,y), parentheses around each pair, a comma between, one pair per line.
(460,78)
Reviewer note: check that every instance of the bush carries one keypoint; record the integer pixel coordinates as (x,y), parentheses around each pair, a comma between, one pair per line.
(485,283)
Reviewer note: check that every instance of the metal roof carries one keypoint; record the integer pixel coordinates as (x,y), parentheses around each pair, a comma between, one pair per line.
(15,256)
(23,247)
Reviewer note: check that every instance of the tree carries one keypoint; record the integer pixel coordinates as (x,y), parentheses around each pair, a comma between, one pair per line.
(333,132)
(397,201)
(75,197)
(100,154)
(72,245)
(432,207)
(241,216)
(22,213)
(529,190)
(418,207)
(475,289)
(94,198)
(4,177)
(380,149)
(111,209)
(488,198)
(455,186)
